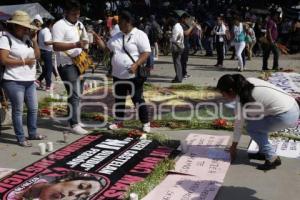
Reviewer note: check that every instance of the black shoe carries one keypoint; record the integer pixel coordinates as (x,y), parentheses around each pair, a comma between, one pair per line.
(175,81)
(275,68)
(269,165)
(265,69)
(256,156)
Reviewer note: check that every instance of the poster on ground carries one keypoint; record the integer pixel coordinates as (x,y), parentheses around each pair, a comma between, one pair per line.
(94,167)
(179,187)
(285,148)
(199,172)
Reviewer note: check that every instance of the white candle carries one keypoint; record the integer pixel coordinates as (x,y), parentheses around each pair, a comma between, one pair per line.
(49,146)
(144,136)
(65,134)
(133,196)
(42,148)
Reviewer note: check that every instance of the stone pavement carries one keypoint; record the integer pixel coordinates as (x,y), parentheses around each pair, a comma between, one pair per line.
(242,182)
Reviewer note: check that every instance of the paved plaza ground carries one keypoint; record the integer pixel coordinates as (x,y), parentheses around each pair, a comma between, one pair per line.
(242,182)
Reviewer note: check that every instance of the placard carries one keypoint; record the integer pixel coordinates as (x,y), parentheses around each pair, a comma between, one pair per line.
(289,149)
(93,167)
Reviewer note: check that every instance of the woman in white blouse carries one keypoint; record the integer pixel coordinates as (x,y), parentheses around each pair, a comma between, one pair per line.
(18,54)
(264,107)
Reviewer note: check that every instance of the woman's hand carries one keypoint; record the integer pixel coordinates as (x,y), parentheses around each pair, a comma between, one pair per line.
(30,61)
(33,36)
(233,151)
(133,68)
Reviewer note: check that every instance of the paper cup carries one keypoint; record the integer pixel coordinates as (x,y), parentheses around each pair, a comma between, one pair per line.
(49,146)
(42,148)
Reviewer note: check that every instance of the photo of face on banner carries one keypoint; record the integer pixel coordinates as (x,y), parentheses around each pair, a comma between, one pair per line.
(70,186)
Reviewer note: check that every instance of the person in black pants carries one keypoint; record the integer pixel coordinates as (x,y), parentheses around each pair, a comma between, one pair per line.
(135,50)
(184,20)
(219,33)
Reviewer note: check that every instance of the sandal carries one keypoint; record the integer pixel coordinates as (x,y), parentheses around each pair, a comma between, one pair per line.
(37,137)
(25,144)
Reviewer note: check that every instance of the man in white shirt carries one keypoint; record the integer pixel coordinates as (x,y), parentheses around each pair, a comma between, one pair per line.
(45,44)
(124,70)
(219,32)
(177,41)
(69,39)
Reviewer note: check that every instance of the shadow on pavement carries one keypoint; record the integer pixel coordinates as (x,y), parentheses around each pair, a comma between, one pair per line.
(236,193)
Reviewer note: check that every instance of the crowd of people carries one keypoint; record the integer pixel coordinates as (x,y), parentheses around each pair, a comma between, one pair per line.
(131,43)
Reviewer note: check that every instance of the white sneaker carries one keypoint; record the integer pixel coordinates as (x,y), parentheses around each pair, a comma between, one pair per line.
(147,127)
(82,125)
(77,129)
(115,126)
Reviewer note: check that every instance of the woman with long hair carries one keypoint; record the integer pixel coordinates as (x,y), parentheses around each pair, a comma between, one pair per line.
(264,107)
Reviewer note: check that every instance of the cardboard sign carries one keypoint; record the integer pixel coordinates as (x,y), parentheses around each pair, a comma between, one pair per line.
(289,149)
(95,166)
(178,187)
(200,171)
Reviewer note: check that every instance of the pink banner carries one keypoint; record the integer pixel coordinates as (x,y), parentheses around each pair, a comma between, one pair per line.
(178,187)
(201,170)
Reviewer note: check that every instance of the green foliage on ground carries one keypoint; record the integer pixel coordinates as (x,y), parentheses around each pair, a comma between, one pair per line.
(151,181)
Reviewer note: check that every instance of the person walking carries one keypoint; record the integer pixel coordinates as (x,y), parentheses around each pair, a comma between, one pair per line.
(187,30)
(251,41)
(271,36)
(219,32)
(69,40)
(239,43)
(19,51)
(45,43)
(265,108)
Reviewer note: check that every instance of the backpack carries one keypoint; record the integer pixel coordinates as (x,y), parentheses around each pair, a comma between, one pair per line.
(2,67)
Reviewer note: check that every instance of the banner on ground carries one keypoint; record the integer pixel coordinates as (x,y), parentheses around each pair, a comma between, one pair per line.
(93,167)
(289,82)
(289,149)
(199,173)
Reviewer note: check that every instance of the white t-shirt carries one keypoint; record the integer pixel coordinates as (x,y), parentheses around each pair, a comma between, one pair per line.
(177,34)
(66,32)
(136,42)
(45,35)
(274,103)
(115,30)
(18,50)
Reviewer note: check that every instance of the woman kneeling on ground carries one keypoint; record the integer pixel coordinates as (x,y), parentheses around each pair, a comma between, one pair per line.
(264,107)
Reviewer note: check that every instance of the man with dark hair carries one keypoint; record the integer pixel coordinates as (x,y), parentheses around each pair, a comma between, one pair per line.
(184,22)
(272,34)
(69,39)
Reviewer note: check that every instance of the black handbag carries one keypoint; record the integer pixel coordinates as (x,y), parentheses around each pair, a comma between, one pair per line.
(142,71)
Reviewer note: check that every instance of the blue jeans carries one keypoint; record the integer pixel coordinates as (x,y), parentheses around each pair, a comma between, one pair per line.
(259,129)
(70,74)
(17,92)
(47,67)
